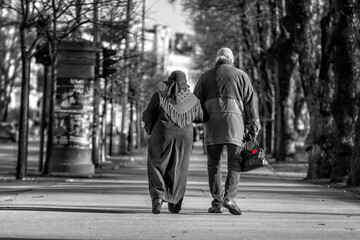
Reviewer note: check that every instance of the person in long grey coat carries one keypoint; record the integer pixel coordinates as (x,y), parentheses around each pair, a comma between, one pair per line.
(231,116)
(168,118)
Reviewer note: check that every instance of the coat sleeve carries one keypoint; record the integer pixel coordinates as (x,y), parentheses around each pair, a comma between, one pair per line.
(199,93)
(199,114)
(252,120)
(151,113)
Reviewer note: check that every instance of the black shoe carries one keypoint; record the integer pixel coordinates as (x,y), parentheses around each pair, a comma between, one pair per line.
(216,207)
(156,206)
(174,208)
(232,207)
(216,210)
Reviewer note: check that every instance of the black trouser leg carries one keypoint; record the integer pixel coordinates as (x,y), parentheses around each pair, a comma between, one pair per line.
(234,171)
(214,171)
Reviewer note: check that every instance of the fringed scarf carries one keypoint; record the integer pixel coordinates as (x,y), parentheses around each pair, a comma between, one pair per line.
(182,109)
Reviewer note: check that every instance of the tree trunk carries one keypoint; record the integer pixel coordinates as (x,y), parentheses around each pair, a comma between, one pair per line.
(286,64)
(5,96)
(347,87)
(96,151)
(320,143)
(265,65)
(301,12)
(354,176)
(130,145)
(325,93)
(53,76)
(286,61)
(24,106)
(124,103)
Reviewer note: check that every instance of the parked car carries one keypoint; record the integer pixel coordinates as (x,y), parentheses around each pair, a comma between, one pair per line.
(8,131)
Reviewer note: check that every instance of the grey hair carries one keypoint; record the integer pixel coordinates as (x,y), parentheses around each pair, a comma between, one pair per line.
(224,59)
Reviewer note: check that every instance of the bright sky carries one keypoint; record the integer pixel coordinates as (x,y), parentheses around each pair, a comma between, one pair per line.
(163,13)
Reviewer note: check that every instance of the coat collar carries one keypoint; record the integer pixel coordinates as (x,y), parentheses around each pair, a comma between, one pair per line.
(221,62)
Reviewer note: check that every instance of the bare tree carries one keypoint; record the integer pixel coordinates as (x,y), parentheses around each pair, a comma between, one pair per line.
(47,21)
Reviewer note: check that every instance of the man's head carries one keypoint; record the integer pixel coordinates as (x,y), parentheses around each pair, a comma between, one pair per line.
(225,55)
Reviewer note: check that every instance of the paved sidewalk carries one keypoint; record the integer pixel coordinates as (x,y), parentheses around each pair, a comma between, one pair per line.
(115,204)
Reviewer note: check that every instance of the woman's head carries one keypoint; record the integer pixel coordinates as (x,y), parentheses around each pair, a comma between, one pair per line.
(179,78)
(175,83)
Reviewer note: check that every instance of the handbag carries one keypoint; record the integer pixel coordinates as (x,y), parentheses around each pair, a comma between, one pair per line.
(252,157)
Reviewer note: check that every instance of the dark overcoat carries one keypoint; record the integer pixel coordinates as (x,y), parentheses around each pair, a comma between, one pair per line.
(229,103)
(169,151)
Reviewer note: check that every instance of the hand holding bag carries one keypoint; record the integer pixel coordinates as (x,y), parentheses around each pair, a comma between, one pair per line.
(252,157)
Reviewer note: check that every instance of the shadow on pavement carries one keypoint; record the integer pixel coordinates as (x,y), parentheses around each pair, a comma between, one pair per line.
(142,210)
(80,209)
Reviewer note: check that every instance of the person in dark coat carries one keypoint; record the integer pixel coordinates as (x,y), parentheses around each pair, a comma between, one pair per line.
(230,112)
(168,119)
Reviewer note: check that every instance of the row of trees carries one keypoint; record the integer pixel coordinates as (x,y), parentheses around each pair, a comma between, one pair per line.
(34,30)
(304,60)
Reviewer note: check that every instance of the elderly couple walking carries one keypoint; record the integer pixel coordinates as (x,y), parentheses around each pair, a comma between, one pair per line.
(223,100)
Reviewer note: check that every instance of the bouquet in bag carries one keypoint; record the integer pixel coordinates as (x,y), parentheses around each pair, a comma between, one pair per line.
(252,157)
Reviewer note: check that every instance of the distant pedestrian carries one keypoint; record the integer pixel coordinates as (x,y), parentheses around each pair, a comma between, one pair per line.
(227,98)
(168,119)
